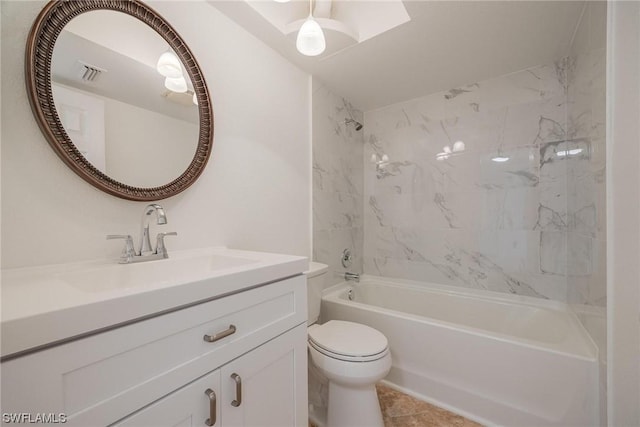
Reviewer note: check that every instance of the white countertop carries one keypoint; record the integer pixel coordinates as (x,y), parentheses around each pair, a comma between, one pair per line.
(42,305)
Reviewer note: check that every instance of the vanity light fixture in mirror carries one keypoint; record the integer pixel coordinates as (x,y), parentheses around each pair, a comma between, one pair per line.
(48,47)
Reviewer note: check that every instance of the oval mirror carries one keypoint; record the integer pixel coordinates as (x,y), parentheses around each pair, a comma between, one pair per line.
(119,97)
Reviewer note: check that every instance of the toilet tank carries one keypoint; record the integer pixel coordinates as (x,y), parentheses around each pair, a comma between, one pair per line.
(316,276)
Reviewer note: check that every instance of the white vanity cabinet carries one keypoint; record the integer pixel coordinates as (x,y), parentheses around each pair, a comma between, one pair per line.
(195,404)
(261,388)
(273,386)
(155,372)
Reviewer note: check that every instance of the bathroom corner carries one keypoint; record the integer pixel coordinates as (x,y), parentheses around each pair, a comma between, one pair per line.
(338,220)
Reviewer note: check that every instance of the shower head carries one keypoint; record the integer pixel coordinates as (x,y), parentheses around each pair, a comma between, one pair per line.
(355,123)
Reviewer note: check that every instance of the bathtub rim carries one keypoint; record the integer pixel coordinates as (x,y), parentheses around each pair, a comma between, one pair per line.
(460,291)
(590,353)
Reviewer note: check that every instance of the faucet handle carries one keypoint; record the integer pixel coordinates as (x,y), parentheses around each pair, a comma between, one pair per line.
(161,249)
(128,251)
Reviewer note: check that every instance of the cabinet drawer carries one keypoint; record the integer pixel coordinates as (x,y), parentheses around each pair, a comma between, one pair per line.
(102,378)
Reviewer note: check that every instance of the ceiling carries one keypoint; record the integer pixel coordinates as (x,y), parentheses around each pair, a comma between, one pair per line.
(127,58)
(445,44)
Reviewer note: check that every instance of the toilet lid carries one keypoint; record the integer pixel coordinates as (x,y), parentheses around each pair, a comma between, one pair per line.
(348,338)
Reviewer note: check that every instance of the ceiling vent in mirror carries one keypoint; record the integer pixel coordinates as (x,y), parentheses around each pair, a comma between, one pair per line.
(89,73)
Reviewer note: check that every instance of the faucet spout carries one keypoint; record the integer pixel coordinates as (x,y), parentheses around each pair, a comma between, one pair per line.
(161,218)
(352,276)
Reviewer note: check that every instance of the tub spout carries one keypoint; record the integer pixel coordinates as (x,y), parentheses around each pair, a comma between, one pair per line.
(352,276)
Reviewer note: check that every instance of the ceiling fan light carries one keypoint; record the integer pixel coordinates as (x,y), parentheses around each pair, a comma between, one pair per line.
(310,40)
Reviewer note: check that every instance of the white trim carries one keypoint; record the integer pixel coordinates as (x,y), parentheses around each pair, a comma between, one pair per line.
(623,213)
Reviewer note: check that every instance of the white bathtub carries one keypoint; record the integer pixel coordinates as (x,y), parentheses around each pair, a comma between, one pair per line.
(498,359)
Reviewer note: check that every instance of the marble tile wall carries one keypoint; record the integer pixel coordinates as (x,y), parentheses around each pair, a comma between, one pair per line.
(532,224)
(586,201)
(466,218)
(586,195)
(337,182)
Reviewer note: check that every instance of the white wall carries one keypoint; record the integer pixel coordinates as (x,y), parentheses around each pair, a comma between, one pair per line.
(254,193)
(172,142)
(623,213)
(118,138)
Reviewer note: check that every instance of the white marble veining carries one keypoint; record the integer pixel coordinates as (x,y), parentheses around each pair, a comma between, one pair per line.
(469,219)
(337,182)
(586,205)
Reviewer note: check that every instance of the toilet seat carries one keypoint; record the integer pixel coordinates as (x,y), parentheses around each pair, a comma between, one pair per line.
(345,358)
(348,341)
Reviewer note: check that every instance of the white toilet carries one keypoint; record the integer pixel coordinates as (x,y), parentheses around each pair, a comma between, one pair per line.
(350,357)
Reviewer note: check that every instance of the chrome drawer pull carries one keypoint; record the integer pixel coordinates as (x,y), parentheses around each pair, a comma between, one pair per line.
(220,335)
(212,407)
(238,381)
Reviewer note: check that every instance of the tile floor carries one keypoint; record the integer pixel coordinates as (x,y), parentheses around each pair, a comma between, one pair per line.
(402,410)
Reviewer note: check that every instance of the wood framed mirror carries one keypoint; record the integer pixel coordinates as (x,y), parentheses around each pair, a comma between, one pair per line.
(67,48)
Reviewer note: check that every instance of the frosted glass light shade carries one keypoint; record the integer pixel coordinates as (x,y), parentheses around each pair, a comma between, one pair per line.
(500,159)
(176,85)
(458,146)
(169,65)
(310,40)
(194,99)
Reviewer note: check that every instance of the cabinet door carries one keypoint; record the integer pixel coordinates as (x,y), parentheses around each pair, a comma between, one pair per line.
(196,404)
(268,386)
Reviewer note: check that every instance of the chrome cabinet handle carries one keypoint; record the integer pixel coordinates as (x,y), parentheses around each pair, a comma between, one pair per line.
(238,399)
(220,335)
(212,407)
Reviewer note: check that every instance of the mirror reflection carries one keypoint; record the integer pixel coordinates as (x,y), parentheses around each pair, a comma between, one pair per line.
(124,98)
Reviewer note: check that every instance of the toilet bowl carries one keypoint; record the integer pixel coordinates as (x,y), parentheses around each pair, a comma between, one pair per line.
(350,357)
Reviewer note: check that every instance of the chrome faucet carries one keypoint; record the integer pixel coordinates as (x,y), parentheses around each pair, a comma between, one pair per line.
(161,219)
(146,253)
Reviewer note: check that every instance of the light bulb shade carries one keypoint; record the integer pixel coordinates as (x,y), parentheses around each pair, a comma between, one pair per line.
(169,65)
(458,146)
(194,99)
(310,40)
(500,159)
(176,85)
